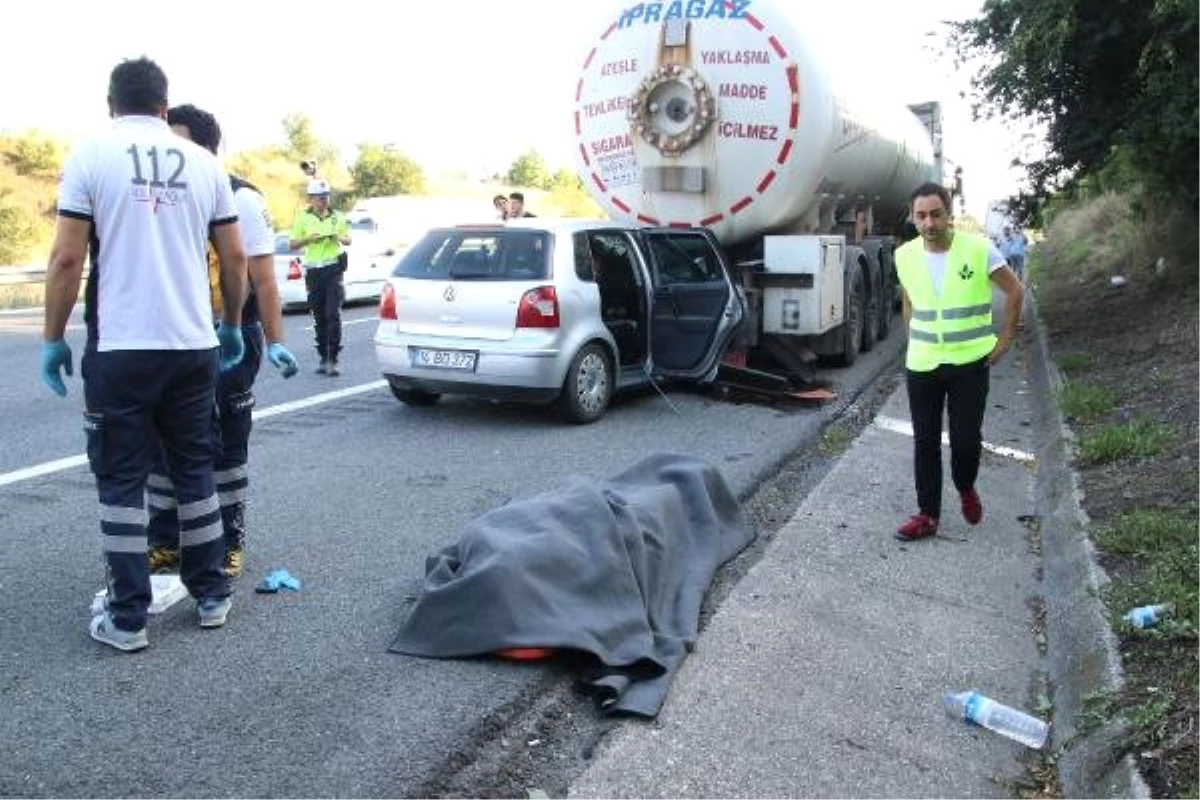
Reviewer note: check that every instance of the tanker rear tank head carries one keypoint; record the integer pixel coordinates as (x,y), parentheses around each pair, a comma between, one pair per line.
(719,114)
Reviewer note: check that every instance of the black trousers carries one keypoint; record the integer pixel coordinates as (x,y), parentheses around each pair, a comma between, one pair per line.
(140,404)
(231,441)
(961,391)
(325,296)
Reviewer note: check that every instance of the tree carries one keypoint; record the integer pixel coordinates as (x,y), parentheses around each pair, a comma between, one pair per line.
(381,171)
(301,142)
(18,229)
(1106,77)
(530,170)
(36,155)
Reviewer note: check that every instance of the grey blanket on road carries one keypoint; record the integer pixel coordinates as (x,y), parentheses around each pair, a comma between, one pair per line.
(611,571)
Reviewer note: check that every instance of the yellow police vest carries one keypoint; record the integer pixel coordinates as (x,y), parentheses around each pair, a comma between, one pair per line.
(955,328)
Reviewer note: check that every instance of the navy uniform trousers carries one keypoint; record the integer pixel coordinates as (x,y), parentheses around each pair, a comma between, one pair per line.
(140,404)
(326,293)
(231,445)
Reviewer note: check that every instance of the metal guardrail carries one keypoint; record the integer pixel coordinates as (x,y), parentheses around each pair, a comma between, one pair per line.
(17,275)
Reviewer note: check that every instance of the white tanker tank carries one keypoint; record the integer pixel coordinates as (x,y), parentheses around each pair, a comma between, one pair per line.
(719,113)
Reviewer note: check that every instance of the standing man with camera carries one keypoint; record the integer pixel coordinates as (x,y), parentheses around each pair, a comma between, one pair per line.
(323,232)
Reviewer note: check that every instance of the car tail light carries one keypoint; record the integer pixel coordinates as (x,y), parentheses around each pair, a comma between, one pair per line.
(294,273)
(538,308)
(387,302)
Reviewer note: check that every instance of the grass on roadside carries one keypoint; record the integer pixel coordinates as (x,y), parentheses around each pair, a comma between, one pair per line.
(22,295)
(1075,363)
(1165,542)
(1080,401)
(1140,438)
(834,441)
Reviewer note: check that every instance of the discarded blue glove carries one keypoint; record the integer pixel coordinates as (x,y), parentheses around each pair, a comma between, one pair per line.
(279,579)
(232,346)
(282,359)
(56,355)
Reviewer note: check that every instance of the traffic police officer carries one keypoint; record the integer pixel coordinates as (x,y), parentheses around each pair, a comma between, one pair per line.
(322,232)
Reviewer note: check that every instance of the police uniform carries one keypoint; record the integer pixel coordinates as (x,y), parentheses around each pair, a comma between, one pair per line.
(235,404)
(323,275)
(950,337)
(149,366)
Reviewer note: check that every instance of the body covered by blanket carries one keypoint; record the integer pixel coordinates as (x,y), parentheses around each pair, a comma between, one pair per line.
(613,569)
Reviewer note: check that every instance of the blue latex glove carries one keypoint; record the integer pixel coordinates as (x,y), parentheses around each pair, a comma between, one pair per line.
(56,355)
(232,346)
(279,579)
(282,359)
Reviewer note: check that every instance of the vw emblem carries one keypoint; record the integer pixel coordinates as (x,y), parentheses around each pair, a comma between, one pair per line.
(449,294)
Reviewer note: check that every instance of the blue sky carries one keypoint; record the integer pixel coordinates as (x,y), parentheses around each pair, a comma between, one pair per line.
(457,83)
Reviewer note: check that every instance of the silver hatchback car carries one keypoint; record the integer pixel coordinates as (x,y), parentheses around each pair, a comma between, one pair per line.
(554,311)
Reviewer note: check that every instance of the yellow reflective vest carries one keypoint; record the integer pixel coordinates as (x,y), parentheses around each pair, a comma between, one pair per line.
(955,328)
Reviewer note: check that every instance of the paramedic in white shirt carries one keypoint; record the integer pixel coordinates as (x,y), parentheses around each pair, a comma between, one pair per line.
(261,315)
(143,204)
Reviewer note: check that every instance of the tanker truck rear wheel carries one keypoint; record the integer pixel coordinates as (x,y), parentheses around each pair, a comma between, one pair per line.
(871,316)
(852,335)
(886,309)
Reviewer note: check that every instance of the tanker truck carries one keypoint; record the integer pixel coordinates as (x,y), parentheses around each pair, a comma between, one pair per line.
(720,114)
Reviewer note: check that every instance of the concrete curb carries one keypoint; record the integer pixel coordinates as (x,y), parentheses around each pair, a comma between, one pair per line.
(1082,651)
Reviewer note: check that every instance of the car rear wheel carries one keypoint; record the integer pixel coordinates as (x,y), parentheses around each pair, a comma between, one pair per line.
(588,386)
(414,397)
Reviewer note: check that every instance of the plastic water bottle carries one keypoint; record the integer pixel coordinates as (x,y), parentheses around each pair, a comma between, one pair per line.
(1147,616)
(1017,725)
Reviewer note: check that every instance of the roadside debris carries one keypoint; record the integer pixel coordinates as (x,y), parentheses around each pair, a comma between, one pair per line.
(166,591)
(276,580)
(1147,616)
(974,708)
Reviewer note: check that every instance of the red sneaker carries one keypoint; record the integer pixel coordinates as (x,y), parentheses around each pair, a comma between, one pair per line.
(972,508)
(920,526)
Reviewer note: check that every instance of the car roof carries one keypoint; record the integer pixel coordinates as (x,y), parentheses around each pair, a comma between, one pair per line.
(561,225)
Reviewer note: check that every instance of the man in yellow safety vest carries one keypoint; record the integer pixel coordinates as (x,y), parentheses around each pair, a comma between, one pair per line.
(947,278)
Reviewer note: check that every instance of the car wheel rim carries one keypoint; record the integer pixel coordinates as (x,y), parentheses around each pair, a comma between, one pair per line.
(592,386)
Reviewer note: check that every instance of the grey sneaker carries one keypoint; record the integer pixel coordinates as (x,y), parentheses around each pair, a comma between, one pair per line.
(103,630)
(332,370)
(322,368)
(213,611)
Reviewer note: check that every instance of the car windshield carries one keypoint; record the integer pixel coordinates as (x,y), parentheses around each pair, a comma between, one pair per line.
(363,225)
(488,255)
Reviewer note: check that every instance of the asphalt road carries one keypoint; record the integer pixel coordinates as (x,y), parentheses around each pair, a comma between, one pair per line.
(351,491)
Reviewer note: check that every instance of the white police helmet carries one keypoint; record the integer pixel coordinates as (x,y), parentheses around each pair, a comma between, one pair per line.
(318,186)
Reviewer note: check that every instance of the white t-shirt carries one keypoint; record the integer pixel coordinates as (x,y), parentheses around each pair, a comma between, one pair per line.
(151,197)
(258,236)
(937,265)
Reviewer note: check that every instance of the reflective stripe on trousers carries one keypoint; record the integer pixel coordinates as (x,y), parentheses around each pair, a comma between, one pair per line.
(231,437)
(141,402)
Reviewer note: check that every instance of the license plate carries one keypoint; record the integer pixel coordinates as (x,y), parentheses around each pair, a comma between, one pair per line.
(444,359)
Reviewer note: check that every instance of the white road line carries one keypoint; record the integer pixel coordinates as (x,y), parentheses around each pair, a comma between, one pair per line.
(905,427)
(346,322)
(70,462)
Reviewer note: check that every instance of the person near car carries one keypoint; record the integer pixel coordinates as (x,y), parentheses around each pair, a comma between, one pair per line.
(516,206)
(261,320)
(500,203)
(1013,246)
(946,277)
(323,233)
(143,203)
